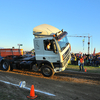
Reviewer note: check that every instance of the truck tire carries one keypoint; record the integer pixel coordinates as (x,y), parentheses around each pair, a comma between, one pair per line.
(34,68)
(47,71)
(6,66)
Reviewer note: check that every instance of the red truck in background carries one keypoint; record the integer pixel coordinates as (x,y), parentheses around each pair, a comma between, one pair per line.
(11,52)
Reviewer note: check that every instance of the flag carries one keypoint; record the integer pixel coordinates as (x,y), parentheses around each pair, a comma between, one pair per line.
(94,52)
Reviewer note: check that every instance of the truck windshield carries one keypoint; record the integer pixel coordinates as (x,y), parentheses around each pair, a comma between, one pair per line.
(63,41)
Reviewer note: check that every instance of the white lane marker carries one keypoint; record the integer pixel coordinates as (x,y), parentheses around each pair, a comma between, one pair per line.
(28,88)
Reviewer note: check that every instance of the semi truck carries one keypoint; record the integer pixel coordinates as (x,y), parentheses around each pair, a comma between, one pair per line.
(47,61)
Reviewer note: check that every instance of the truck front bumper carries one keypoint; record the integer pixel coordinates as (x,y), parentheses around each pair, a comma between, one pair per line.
(61,67)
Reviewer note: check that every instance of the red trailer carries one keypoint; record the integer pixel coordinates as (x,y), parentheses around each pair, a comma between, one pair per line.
(11,52)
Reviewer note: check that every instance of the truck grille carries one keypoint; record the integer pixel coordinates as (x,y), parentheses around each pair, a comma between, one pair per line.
(66,56)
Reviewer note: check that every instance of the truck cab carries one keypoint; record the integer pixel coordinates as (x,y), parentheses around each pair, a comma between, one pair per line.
(56,59)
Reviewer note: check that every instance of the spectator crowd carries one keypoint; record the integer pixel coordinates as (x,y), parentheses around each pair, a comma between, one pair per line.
(89,60)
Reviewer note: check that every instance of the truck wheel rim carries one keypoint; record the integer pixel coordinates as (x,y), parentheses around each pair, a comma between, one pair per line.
(5,65)
(46,71)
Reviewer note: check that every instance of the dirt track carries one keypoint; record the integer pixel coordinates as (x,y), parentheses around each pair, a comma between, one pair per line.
(69,76)
(64,87)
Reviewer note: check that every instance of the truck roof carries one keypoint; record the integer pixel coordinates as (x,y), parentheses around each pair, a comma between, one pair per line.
(45,29)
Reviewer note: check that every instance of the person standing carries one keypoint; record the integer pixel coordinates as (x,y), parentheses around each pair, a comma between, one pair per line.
(81,63)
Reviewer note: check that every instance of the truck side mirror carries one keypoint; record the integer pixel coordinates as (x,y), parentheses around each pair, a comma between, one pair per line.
(54,47)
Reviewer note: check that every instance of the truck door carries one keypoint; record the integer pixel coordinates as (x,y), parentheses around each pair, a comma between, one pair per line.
(49,55)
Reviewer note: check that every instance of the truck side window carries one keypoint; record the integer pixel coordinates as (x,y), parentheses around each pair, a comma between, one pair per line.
(48,45)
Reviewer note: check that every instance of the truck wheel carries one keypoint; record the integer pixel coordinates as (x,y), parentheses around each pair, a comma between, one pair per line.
(34,68)
(47,71)
(6,66)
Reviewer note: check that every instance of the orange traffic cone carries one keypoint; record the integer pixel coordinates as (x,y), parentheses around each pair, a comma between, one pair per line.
(32,93)
(85,70)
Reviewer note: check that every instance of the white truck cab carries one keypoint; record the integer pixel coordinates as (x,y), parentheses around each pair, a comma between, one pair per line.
(56,59)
